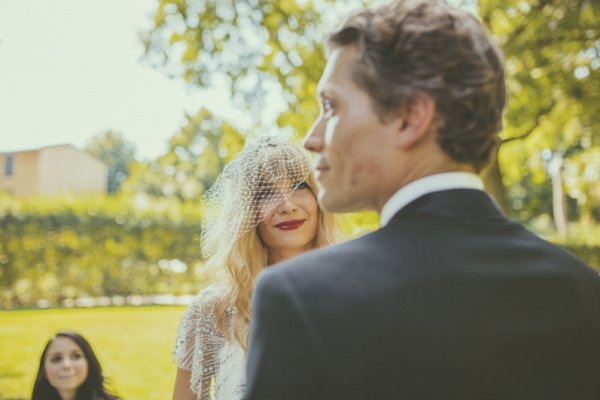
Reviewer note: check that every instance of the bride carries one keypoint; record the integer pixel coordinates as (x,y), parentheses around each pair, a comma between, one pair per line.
(262,210)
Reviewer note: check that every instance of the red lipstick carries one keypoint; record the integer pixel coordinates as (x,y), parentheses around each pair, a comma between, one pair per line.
(289,225)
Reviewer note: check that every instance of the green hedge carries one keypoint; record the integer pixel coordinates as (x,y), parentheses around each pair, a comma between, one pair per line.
(72,247)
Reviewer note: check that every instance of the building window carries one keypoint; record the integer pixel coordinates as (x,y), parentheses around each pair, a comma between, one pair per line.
(8,166)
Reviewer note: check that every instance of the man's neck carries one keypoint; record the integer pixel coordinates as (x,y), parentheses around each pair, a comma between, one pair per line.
(420,171)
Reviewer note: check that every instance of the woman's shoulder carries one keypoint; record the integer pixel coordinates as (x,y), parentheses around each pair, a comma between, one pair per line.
(210,293)
(204,302)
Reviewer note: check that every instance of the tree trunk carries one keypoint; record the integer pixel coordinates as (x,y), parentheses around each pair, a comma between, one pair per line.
(492,180)
(559,200)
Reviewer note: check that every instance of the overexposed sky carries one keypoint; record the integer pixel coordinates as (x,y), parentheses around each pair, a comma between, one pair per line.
(71,69)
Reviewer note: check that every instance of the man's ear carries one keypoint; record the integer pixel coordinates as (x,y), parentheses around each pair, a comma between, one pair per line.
(416,120)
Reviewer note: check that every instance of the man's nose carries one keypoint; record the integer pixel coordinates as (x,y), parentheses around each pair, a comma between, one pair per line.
(314,140)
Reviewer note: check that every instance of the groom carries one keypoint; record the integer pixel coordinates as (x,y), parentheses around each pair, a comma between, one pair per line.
(449,299)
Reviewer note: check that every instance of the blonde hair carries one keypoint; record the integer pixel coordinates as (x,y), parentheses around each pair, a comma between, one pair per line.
(240,258)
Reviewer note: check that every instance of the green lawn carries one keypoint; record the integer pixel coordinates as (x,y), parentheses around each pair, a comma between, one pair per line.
(133,345)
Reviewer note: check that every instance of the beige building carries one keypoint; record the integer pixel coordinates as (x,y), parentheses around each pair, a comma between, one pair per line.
(52,170)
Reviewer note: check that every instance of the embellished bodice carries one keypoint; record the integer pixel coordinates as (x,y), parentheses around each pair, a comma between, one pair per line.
(217,366)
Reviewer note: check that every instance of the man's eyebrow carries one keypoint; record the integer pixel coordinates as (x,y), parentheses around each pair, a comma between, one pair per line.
(328,90)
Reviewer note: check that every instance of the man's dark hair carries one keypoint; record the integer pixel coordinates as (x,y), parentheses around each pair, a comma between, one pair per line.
(411,47)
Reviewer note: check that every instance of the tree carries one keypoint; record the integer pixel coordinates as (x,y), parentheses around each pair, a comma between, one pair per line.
(196,156)
(255,47)
(553,81)
(118,153)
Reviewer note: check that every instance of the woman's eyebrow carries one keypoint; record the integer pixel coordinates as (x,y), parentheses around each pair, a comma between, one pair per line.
(264,186)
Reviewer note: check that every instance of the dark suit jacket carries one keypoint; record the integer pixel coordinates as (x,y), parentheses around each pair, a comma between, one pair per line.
(449,301)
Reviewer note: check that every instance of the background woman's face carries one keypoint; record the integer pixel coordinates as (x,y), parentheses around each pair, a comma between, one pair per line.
(289,227)
(65,365)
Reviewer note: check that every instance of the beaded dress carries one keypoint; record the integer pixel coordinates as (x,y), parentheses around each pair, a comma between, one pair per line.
(202,349)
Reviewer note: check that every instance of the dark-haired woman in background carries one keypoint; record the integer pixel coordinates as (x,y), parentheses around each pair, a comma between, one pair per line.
(69,370)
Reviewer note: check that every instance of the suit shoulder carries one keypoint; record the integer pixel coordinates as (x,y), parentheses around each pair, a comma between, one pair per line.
(331,255)
(321,265)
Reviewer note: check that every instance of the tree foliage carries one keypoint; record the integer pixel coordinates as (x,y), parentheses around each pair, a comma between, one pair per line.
(253,47)
(117,152)
(553,80)
(194,160)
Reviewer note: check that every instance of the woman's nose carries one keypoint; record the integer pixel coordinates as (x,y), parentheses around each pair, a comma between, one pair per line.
(287,205)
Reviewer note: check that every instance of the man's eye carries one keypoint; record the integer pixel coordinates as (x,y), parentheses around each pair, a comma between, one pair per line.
(328,108)
(300,185)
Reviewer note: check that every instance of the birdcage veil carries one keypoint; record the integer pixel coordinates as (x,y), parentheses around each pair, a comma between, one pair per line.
(255,181)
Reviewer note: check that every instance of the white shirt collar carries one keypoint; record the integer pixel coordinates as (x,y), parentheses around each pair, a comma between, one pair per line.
(423,186)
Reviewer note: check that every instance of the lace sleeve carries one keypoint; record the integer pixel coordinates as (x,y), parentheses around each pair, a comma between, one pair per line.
(198,343)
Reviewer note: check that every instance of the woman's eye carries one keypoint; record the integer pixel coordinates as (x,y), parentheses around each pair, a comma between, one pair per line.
(54,360)
(76,356)
(301,185)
